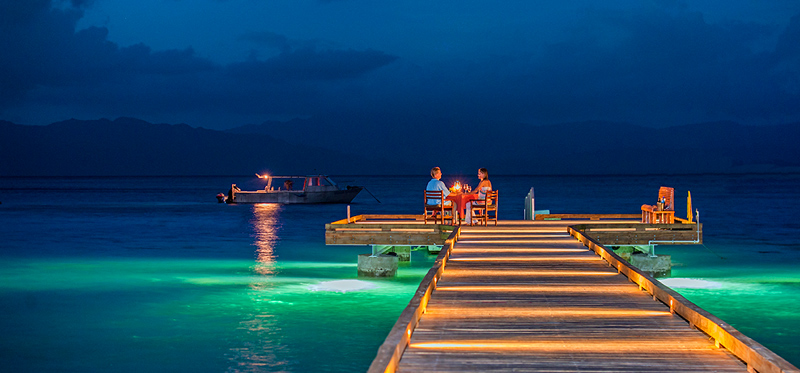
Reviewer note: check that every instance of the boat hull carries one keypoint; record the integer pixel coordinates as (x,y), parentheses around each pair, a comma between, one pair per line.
(296,197)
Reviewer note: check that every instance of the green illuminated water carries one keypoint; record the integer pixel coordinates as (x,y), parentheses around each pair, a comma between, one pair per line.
(756,291)
(194,315)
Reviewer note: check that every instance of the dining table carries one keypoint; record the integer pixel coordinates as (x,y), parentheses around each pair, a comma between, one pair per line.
(461,200)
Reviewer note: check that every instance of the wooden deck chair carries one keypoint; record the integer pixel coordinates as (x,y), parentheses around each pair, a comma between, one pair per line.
(485,210)
(652,215)
(435,208)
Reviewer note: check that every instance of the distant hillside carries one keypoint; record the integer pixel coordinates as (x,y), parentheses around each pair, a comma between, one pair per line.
(594,147)
(610,148)
(129,146)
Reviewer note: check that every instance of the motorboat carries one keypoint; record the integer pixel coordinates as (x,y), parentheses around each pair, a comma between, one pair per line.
(314,189)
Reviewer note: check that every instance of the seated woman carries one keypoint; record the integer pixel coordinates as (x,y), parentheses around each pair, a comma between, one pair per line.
(484,186)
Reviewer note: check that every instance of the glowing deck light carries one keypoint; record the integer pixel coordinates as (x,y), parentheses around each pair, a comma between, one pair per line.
(468,230)
(565,236)
(528,259)
(358,229)
(605,289)
(484,312)
(524,272)
(612,346)
(517,241)
(342,286)
(463,249)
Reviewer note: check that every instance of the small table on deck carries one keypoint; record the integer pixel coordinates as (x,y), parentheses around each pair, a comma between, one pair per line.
(652,215)
(460,200)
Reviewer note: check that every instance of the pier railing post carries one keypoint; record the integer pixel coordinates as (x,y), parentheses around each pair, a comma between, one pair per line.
(529,213)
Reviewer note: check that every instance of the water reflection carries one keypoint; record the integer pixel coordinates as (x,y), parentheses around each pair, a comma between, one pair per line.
(259,346)
(265,230)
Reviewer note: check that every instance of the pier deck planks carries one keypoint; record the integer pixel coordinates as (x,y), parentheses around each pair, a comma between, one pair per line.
(537,300)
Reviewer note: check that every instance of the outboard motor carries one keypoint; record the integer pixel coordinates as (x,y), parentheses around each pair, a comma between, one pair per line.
(220,198)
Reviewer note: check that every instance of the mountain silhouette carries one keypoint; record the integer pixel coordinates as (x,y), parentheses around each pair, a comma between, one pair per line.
(128,146)
(591,147)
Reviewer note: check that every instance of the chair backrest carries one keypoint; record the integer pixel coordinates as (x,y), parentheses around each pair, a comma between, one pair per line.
(491,198)
(433,197)
(669,197)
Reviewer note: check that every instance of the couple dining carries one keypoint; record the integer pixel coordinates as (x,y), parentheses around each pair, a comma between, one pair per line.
(436,184)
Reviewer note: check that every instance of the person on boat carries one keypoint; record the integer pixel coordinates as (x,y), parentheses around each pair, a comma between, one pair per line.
(484,186)
(288,184)
(437,184)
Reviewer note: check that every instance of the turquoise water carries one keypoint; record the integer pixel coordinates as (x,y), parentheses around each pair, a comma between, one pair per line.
(191,315)
(151,274)
(757,292)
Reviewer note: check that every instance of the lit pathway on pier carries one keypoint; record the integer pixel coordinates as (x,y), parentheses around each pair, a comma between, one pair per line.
(532,298)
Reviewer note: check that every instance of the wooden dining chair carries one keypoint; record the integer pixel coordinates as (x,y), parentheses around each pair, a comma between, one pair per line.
(435,208)
(652,215)
(485,210)
(491,207)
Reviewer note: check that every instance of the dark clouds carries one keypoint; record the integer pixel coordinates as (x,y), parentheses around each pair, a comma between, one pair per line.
(662,64)
(659,67)
(307,64)
(51,64)
(44,52)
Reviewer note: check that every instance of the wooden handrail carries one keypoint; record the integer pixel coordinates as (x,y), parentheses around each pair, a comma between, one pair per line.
(757,357)
(395,344)
(365,217)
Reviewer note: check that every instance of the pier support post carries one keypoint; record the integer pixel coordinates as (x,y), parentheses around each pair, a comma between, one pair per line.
(377,265)
(434,249)
(656,266)
(403,253)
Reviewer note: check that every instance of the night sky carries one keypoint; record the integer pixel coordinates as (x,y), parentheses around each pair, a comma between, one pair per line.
(225,63)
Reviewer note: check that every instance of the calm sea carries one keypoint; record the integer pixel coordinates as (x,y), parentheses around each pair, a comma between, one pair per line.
(151,274)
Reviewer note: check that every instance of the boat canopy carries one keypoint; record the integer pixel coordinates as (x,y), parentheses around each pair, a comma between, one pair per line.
(308,180)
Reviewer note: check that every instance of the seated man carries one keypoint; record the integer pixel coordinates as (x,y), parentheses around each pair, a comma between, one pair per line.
(436,184)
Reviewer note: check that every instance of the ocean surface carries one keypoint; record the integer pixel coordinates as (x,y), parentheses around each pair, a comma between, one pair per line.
(133,274)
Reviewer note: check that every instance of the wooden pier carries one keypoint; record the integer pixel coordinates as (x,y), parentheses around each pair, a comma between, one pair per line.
(386,230)
(546,296)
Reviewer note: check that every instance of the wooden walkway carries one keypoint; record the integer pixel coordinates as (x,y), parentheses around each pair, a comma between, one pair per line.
(529,297)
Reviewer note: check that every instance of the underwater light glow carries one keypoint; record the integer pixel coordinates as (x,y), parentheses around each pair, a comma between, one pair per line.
(342,286)
(690,283)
